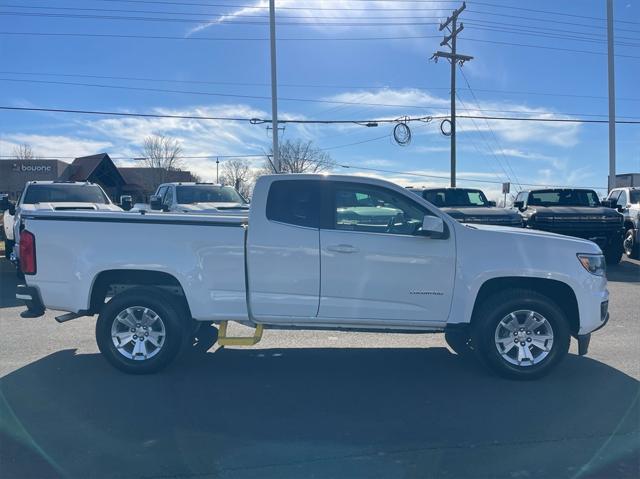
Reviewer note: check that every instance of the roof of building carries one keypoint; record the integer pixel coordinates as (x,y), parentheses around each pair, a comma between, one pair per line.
(84,167)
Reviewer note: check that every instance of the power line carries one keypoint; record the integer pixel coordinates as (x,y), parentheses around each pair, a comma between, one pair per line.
(301,39)
(304,85)
(495,138)
(265,98)
(257,121)
(473,180)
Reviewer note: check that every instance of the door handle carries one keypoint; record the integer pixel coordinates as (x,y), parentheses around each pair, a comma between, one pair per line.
(342,248)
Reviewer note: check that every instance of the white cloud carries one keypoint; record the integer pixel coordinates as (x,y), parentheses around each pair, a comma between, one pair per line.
(313,13)
(53,146)
(557,134)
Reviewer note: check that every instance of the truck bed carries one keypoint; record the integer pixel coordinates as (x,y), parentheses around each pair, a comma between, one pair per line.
(205,253)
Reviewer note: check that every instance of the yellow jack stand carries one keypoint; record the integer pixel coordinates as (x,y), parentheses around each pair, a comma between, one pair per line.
(223,340)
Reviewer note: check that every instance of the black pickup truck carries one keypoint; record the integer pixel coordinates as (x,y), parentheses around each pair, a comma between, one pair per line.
(573,212)
(468,205)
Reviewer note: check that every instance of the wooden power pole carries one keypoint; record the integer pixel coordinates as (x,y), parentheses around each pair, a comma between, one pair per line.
(451,24)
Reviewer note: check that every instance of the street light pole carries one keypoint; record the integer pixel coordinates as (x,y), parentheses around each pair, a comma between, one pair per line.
(217,171)
(612,97)
(274,85)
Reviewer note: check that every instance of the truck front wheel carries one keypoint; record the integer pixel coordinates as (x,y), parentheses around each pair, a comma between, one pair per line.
(140,331)
(520,334)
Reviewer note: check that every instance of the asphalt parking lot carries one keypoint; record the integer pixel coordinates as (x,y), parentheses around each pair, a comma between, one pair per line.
(315,404)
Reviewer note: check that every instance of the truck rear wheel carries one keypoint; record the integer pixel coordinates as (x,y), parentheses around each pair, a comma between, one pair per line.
(520,334)
(140,331)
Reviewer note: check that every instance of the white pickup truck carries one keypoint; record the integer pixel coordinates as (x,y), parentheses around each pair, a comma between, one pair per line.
(207,198)
(330,252)
(51,196)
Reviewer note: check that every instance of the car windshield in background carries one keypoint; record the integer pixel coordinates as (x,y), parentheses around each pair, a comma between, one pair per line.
(64,194)
(635,196)
(563,198)
(207,194)
(457,197)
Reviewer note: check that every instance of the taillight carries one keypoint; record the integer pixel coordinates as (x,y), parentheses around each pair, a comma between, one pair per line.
(27,252)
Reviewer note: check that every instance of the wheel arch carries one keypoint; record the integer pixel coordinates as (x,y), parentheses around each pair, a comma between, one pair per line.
(561,293)
(131,278)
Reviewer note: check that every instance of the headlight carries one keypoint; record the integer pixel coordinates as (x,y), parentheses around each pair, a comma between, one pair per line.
(593,263)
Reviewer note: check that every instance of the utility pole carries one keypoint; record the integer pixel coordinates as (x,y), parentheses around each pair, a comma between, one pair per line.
(274,85)
(217,171)
(451,24)
(612,98)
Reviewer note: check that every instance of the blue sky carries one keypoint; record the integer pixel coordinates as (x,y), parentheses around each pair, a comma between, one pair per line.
(505,76)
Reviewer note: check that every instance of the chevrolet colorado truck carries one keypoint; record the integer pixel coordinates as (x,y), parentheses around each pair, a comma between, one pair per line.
(316,251)
(469,205)
(50,196)
(627,202)
(573,212)
(205,198)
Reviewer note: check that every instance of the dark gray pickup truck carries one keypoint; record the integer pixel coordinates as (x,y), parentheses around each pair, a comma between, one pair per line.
(573,212)
(468,205)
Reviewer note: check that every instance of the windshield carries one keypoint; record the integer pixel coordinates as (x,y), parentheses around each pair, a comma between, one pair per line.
(634,196)
(62,193)
(563,198)
(207,194)
(456,197)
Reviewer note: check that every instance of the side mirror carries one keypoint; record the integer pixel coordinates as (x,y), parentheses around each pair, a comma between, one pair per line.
(126,202)
(155,203)
(519,205)
(432,226)
(491,203)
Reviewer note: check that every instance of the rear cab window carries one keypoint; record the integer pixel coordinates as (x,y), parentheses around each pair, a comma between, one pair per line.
(295,202)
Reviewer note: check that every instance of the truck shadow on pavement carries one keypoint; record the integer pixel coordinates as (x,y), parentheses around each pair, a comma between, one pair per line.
(316,412)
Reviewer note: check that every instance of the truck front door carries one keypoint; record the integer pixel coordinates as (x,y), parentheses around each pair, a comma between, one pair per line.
(283,251)
(375,265)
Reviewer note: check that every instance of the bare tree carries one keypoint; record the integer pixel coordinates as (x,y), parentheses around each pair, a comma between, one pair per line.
(163,154)
(300,157)
(23,152)
(237,173)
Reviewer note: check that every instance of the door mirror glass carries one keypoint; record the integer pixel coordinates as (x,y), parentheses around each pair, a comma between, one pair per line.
(518,204)
(155,203)
(126,202)
(432,225)
(491,203)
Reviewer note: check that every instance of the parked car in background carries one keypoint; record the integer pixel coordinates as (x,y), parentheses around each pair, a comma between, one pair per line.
(627,202)
(469,205)
(51,196)
(573,212)
(329,252)
(199,198)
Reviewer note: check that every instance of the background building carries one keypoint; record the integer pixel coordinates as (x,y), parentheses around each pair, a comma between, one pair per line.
(15,173)
(139,182)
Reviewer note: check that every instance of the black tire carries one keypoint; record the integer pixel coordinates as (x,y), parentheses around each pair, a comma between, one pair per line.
(460,342)
(613,252)
(631,244)
(496,308)
(172,318)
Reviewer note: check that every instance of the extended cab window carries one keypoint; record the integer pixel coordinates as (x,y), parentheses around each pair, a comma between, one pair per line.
(375,210)
(296,202)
